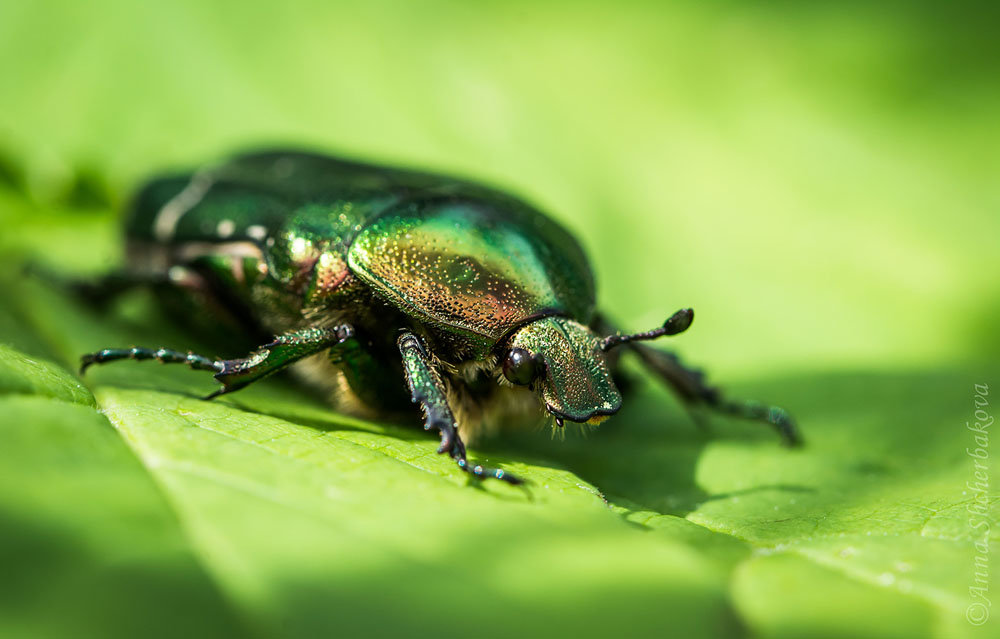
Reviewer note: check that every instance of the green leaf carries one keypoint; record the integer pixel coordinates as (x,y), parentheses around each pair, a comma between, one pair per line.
(89,545)
(818,180)
(268,513)
(310,522)
(22,375)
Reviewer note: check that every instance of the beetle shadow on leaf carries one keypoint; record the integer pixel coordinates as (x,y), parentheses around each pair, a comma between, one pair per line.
(647,453)
(864,428)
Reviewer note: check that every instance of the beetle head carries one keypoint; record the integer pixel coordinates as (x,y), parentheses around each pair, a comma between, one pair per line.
(564,362)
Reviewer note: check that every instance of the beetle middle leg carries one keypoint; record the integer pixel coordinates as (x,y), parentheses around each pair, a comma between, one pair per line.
(235,374)
(428,389)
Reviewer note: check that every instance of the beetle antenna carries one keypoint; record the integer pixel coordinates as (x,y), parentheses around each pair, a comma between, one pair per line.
(677,323)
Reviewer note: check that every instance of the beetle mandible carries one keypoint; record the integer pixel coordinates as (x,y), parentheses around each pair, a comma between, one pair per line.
(370,275)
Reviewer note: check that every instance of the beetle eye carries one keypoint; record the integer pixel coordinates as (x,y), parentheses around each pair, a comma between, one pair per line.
(520,367)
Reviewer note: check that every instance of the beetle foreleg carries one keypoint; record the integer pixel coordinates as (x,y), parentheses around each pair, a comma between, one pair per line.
(428,389)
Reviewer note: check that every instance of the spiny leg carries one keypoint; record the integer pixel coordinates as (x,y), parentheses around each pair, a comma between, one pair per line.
(694,391)
(235,374)
(427,388)
(164,355)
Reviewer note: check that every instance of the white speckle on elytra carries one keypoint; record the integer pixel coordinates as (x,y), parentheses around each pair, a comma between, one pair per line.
(177,273)
(225,228)
(256,232)
(886,579)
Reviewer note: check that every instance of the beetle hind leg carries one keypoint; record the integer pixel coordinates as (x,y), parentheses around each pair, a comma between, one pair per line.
(695,391)
(428,389)
(106,289)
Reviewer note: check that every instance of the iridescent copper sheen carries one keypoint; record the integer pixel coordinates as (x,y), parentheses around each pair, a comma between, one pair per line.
(465,266)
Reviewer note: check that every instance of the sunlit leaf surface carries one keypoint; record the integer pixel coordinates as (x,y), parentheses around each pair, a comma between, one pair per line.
(819,183)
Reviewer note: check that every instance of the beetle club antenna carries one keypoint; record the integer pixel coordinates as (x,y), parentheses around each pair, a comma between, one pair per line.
(677,323)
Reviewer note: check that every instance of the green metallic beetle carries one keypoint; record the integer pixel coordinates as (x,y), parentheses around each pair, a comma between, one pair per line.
(369,274)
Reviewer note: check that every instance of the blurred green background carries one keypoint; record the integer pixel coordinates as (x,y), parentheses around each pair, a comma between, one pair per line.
(818,180)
